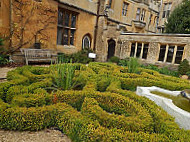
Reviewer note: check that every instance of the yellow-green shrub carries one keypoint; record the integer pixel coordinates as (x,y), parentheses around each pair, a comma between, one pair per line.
(32,100)
(34,118)
(86,114)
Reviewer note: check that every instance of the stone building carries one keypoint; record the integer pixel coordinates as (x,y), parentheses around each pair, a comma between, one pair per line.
(160,49)
(78,24)
(166,8)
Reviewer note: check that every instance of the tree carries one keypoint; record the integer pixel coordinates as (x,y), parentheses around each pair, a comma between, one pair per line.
(32,20)
(179,20)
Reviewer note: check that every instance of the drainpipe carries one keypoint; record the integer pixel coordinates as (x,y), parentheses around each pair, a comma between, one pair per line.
(161,2)
(96,26)
(10,20)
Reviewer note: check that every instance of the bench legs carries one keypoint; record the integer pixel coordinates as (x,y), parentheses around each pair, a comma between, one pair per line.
(26,61)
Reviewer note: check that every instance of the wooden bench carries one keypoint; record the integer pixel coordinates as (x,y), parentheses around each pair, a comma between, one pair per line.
(39,55)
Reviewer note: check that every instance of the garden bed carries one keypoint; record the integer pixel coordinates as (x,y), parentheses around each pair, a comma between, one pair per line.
(100,104)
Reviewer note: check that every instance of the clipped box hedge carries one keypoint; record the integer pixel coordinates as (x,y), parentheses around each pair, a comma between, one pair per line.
(100,107)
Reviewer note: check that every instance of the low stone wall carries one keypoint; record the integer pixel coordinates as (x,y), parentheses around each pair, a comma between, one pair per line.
(182,118)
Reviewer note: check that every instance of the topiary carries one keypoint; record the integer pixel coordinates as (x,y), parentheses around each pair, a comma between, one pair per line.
(184,67)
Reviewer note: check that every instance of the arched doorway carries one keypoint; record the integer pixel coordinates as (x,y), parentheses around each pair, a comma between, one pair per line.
(111,48)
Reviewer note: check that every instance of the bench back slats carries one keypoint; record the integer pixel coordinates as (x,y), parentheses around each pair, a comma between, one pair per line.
(37,54)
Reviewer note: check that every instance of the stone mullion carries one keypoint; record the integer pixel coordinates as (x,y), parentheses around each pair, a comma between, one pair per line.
(166,53)
(174,55)
(142,51)
(184,51)
(159,46)
(135,49)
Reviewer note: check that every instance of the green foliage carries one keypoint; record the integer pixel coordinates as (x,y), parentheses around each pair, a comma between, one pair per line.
(82,57)
(29,100)
(1,41)
(123,62)
(163,70)
(184,67)
(79,57)
(179,20)
(103,83)
(114,59)
(188,74)
(34,118)
(101,110)
(133,65)
(4,59)
(63,75)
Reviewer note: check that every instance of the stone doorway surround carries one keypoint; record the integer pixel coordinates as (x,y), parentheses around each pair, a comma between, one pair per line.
(111,48)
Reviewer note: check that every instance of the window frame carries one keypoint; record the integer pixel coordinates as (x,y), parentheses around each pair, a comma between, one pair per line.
(142,15)
(172,57)
(69,28)
(145,51)
(138,13)
(164,10)
(125,8)
(170,54)
(168,10)
(89,40)
(178,53)
(139,50)
(150,19)
(163,47)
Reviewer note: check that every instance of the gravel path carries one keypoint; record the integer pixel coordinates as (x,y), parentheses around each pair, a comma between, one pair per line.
(3,73)
(47,135)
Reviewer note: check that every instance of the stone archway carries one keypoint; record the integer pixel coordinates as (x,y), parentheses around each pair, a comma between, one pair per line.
(111,48)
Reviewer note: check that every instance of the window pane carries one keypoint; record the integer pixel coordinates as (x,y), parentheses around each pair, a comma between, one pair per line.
(165,6)
(169,6)
(137,17)
(170,54)
(73,21)
(124,11)
(142,15)
(72,37)
(139,47)
(59,36)
(60,17)
(65,37)
(138,14)
(132,50)
(164,14)
(138,11)
(162,53)
(66,19)
(168,13)
(179,54)
(145,51)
